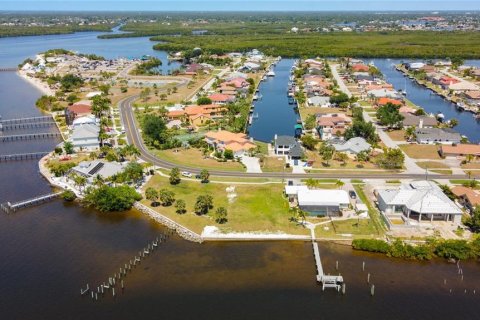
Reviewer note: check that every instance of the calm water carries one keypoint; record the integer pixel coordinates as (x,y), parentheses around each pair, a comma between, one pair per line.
(275,115)
(432,103)
(49,252)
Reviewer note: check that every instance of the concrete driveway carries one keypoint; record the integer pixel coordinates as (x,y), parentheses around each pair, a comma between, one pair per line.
(252,164)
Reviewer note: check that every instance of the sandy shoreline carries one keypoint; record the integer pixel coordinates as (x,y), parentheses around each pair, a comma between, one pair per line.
(42,87)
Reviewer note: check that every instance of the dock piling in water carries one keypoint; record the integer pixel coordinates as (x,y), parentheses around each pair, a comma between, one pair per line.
(372,290)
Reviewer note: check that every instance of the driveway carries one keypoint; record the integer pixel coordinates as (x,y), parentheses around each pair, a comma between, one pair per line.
(252,164)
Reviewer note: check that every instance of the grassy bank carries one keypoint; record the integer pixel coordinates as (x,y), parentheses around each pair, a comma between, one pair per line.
(256,208)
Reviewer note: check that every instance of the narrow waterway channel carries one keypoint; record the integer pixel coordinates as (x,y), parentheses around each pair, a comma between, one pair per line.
(275,115)
(431,102)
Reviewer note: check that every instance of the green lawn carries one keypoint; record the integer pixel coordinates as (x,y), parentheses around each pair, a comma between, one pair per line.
(194,158)
(354,227)
(374,214)
(274,164)
(256,207)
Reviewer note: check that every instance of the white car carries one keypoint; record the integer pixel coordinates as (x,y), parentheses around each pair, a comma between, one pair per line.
(187,174)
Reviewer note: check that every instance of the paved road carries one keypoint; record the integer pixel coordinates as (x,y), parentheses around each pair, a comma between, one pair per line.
(134,137)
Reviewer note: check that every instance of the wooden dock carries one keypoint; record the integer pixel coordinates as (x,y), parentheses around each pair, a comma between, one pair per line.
(8,69)
(13,207)
(26,120)
(327,281)
(30,136)
(22,156)
(25,125)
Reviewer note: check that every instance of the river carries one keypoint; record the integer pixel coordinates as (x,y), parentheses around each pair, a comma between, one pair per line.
(49,252)
(429,101)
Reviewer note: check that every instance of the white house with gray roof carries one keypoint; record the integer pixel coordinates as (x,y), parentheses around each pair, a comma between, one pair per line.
(105,169)
(352,146)
(437,135)
(419,200)
(85,137)
(287,146)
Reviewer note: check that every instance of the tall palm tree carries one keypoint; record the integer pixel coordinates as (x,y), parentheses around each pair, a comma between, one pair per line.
(339,183)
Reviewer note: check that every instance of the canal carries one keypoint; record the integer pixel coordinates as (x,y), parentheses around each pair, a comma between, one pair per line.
(51,251)
(275,115)
(429,101)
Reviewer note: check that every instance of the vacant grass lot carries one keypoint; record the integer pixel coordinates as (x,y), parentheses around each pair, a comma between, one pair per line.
(194,158)
(304,112)
(432,165)
(274,164)
(354,227)
(421,151)
(318,163)
(256,207)
(396,135)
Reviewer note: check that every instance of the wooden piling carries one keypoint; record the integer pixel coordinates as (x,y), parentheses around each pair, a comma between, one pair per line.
(372,290)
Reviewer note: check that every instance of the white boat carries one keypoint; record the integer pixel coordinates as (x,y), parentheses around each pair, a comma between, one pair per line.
(270,73)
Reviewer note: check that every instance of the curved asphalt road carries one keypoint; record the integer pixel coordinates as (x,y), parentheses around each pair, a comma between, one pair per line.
(134,137)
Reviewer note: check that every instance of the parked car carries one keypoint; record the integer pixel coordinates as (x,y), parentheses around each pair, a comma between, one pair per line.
(352,194)
(197,176)
(187,174)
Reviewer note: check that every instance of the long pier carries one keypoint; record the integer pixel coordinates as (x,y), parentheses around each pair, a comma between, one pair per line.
(26,120)
(23,156)
(30,136)
(25,125)
(13,207)
(8,69)
(327,281)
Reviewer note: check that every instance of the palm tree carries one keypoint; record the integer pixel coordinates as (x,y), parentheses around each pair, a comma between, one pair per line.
(339,183)
(311,183)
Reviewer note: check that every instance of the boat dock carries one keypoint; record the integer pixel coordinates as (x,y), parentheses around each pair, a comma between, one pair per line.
(25,125)
(30,136)
(22,156)
(327,281)
(13,207)
(26,120)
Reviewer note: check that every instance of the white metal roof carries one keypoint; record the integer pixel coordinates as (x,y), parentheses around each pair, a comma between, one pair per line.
(322,197)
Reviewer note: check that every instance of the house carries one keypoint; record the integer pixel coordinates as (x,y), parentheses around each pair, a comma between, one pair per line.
(463,86)
(194,68)
(411,120)
(287,146)
(383,101)
(85,137)
(437,135)
(250,67)
(352,146)
(318,101)
(360,68)
(318,202)
(468,197)
(417,199)
(461,151)
(222,140)
(415,65)
(104,169)
(472,97)
(383,93)
(221,99)
(78,109)
(200,120)
(177,124)
(83,121)
(330,126)
(190,113)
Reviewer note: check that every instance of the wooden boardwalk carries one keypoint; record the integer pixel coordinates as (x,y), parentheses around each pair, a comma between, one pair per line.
(22,156)
(25,125)
(26,120)
(327,281)
(30,136)
(13,207)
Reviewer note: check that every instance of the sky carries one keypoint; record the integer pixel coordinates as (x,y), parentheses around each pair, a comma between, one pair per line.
(236,5)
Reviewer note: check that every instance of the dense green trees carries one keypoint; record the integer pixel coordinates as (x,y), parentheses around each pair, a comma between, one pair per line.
(309,142)
(326,151)
(339,98)
(204,176)
(47,103)
(166,197)
(204,101)
(391,159)
(107,198)
(156,134)
(473,222)
(149,67)
(152,195)
(388,115)
(449,249)
(180,206)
